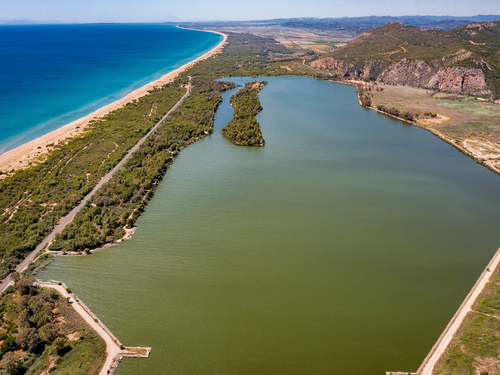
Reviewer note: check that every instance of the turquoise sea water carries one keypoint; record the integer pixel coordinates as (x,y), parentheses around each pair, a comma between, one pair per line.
(344,246)
(51,75)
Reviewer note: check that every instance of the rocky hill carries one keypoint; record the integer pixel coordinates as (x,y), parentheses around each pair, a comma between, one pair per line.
(463,60)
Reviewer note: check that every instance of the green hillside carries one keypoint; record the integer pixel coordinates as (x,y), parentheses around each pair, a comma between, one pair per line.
(475,45)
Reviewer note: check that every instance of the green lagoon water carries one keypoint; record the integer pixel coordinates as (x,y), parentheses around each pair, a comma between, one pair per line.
(344,246)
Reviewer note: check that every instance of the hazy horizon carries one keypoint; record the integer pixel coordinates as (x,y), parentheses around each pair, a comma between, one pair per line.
(174,19)
(154,11)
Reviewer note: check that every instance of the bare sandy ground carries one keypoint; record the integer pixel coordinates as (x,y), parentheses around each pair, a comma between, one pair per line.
(22,156)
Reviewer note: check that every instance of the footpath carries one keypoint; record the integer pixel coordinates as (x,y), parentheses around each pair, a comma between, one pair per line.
(68,218)
(114,348)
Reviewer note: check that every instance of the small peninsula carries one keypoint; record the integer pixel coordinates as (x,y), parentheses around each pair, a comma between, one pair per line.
(41,333)
(243,129)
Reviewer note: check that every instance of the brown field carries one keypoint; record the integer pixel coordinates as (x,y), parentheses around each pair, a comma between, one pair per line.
(319,41)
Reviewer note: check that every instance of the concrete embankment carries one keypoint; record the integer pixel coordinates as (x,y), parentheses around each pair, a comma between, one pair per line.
(114,348)
(427,366)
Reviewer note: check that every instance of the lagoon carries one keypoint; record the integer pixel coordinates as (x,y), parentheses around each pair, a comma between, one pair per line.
(343,246)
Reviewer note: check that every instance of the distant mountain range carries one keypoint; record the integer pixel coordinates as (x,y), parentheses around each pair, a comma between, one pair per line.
(362,24)
(356,25)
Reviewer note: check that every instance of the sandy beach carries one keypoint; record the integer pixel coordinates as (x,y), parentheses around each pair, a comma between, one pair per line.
(22,156)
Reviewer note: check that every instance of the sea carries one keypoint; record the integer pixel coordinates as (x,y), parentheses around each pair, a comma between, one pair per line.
(51,75)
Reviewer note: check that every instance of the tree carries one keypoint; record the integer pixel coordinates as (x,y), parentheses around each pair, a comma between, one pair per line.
(8,345)
(27,339)
(15,276)
(49,333)
(24,285)
(24,318)
(22,304)
(11,364)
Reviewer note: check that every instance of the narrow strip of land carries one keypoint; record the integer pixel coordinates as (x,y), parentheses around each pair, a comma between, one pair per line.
(444,340)
(114,348)
(427,366)
(24,264)
(20,157)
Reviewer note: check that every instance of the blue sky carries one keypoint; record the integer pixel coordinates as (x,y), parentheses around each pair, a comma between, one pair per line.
(189,10)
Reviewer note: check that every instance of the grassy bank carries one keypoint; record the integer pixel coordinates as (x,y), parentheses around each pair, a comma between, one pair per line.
(476,346)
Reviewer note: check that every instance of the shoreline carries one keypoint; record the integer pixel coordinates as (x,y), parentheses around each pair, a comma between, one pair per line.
(36,153)
(444,340)
(478,159)
(115,350)
(22,156)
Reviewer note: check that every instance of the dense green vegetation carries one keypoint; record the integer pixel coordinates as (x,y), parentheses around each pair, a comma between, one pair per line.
(245,55)
(243,129)
(34,326)
(123,198)
(34,200)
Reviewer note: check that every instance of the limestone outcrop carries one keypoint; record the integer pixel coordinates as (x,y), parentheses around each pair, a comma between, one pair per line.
(407,73)
(415,73)
(329,63)
(458,80)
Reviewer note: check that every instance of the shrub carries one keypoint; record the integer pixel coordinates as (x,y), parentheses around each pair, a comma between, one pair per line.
(60,346)
(49,332)
(393,111)
(366,101)
(28,339)
(15,276)
(8,345)
(407,116)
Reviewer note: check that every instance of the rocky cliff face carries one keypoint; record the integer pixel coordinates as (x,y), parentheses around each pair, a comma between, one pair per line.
(458,80)
(414,73)
(372,69)
(407,73)
(329,63)
(338,67)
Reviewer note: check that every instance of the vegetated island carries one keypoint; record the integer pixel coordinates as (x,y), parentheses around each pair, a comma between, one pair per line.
(243,129)
(35,199)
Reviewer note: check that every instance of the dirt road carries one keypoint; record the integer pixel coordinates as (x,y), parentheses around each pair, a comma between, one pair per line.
(24,264)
